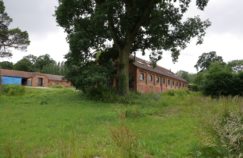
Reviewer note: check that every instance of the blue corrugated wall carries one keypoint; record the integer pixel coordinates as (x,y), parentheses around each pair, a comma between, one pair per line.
(11,80)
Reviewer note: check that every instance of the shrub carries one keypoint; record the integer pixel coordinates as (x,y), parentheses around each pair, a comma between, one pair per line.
(220,80)
(12,90)
(91,78)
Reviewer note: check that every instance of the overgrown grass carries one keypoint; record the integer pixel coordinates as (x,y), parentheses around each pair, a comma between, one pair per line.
(61,123)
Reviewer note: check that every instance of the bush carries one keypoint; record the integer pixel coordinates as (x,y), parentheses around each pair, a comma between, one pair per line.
(110,96)
(91,78)
(220,80)
(12,90)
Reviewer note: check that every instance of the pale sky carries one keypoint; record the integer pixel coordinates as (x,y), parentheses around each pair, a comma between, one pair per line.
(225,36)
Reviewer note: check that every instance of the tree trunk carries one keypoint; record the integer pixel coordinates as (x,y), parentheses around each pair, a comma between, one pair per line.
(123,72)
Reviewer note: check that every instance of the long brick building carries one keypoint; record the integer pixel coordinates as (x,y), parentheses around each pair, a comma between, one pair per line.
(35,79)
(148,79)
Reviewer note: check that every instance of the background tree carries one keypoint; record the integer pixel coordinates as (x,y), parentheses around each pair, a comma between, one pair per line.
(6,65)
(57,69)
(220,80)
(206,59)
(236,65)
(43,61)
(128,26)
(24,65)
(10,38)
(189,77)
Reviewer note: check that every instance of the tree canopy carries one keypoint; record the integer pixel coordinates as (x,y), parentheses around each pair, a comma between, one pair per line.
(10,38)
(206,59)
(236,65)
(128,26)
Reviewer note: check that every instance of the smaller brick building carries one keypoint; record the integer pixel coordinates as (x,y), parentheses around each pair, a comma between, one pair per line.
(35,79)
(148,79)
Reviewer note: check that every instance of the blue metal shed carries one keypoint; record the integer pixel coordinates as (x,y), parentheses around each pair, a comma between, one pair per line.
(11,80)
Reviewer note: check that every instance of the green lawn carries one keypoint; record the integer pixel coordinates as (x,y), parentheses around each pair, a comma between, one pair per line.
(61,123)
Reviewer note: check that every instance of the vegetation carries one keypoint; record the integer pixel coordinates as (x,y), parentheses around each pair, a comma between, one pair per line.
(11,90)
(42,63)
(10,38)
(206,59)
(127,27)
(63,123)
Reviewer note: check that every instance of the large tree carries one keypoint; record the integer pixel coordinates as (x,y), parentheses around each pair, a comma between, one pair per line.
(128,26)
(10,38)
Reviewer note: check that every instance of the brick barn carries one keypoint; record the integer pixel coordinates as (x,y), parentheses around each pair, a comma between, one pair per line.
(144,78)
(34,79)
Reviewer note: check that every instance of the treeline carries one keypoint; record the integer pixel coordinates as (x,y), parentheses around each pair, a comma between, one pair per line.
(215,77)
(31,63)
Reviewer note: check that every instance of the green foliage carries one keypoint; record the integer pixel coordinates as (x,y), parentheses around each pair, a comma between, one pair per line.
(189,77)
(6,65)
(11,90)
(236,65)
(24,65)
(91,78)
(131,26)
(206,59)
(220,80)
(43,61)
(10,38)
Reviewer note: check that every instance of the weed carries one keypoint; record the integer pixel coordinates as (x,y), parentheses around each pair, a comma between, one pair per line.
(12,90)
(126,141)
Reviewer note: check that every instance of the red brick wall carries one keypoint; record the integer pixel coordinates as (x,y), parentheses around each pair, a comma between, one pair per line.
(61,83)
(34,81)
(152,86)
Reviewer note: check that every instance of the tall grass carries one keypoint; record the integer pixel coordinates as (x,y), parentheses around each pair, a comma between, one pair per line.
(61,123)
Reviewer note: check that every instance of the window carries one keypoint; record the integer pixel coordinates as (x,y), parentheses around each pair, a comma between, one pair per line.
(164,80)
(168,82)
(150,78)
(141,77)
(157,80)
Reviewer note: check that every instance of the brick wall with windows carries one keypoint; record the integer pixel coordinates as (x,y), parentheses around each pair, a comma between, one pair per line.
(151,82)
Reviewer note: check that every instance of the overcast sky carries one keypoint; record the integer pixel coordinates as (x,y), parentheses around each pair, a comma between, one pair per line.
(225,36)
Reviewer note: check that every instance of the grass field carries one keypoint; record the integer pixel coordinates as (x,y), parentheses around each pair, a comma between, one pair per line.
(61,123)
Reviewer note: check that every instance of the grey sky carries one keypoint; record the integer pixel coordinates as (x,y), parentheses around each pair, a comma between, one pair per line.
(225,36)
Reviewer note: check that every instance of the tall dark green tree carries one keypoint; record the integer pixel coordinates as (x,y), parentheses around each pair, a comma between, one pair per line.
(206,59)
(128,26)
(10,38)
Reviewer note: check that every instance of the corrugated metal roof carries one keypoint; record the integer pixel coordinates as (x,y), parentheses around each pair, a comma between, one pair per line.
(24,74)
(158,69)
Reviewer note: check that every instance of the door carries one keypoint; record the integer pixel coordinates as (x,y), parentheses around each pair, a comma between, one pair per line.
(40,82)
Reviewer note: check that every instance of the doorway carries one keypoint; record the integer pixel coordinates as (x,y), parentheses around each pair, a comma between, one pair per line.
(40,82)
